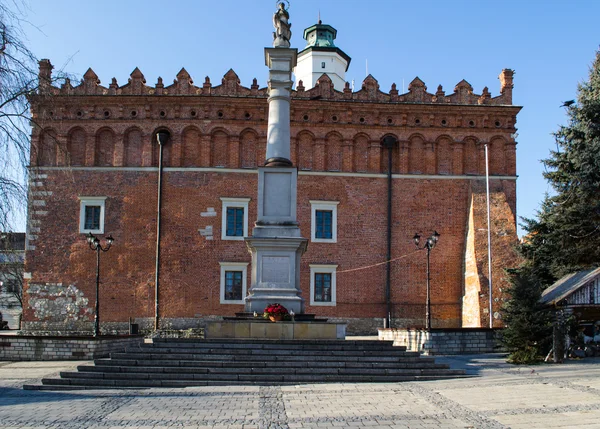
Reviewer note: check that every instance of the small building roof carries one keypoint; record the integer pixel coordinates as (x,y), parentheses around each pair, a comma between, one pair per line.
(568,285)
(12,241)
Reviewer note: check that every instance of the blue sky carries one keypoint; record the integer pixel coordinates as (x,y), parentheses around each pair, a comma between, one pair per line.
(550,45)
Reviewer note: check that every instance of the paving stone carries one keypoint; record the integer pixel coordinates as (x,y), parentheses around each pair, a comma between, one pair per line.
(501,397)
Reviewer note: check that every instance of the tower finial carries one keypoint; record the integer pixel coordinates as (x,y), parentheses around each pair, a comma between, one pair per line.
(319,21)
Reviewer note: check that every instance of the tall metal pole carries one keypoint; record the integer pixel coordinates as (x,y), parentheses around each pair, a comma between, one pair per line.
(97,314)
(489,234)
(158,224)
(428,298)
(389,142)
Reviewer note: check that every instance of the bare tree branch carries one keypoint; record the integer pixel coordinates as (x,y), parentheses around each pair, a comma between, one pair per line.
(18,84)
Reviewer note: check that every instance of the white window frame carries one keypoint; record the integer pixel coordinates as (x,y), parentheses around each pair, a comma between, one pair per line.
(233,266)
(323,205)
(233,202)
(326,269)
(91,201)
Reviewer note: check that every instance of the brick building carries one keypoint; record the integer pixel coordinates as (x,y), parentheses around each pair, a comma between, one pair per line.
(95,169)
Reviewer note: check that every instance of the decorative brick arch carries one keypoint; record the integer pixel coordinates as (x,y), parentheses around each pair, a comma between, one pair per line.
(333,151)
(133,147)
(361,152)
(416,154)
(395,154)
(471,155)
(444,154)
(306,141)
(45,153)
(192,147)
(249,148)
(219,146)
(76,143)
(104,148)
(167,149)
(497,155)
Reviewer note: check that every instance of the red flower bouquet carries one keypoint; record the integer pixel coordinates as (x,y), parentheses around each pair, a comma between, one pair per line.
(275,310)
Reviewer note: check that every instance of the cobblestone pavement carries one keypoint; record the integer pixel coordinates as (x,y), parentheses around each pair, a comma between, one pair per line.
(501,396)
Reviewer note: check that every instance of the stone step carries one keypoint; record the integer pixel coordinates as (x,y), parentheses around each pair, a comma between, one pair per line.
(265,352)
(109,366)
(256,379)
(232,373)
(279,344)
(164,359)
(242,342)
(177,363)
(195,348)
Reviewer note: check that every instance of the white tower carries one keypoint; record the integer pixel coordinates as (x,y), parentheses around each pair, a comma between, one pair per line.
(321,56)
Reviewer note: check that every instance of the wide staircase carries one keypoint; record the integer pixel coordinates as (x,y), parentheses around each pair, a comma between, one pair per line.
(184,363)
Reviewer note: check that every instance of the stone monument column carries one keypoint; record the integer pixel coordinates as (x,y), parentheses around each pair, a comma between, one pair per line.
(276,245)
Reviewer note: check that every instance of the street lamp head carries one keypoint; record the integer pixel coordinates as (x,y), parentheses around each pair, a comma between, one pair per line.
(389,142)
(110,240)
(162,137)
(90,238)
(436,237)
(417,239)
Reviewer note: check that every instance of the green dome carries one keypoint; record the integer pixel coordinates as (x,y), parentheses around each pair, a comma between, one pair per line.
(320,35)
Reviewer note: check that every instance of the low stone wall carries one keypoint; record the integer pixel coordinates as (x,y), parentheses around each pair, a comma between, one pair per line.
(445,341)
(264,329)
(27,348)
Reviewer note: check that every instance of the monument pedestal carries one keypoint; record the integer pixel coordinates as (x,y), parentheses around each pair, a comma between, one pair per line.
(275,273)
(276,245)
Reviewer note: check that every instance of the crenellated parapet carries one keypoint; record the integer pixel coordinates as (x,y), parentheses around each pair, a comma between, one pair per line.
(225,125)
(417,92)
(324,89)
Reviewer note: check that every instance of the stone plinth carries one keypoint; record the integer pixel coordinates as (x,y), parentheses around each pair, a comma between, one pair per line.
(445,341)
(275,273)
(275,331)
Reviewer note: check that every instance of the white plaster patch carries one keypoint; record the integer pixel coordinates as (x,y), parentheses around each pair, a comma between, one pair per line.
(207,232)
(210,212)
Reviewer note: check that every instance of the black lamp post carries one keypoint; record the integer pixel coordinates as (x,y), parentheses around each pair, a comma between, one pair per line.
(94,243)
(429,244)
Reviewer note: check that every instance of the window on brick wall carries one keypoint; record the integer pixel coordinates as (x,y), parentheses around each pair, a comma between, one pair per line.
(324,221)
(234,219)
(322,284)
(10,286)
(91,215)
(233,282)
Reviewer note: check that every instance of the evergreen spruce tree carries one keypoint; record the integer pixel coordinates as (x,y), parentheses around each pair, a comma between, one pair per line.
(528,336)
(565,236)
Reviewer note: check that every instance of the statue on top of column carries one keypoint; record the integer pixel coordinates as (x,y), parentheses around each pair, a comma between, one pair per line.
(282,33)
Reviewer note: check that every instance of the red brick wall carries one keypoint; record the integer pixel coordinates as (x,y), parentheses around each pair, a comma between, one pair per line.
(189,281)
(217,140)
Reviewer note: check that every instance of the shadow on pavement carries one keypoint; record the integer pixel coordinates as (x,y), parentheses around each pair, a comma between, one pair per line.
(10,396)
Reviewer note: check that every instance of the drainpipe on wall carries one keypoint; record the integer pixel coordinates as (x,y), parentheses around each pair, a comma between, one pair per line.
(389,142)
(161,137)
